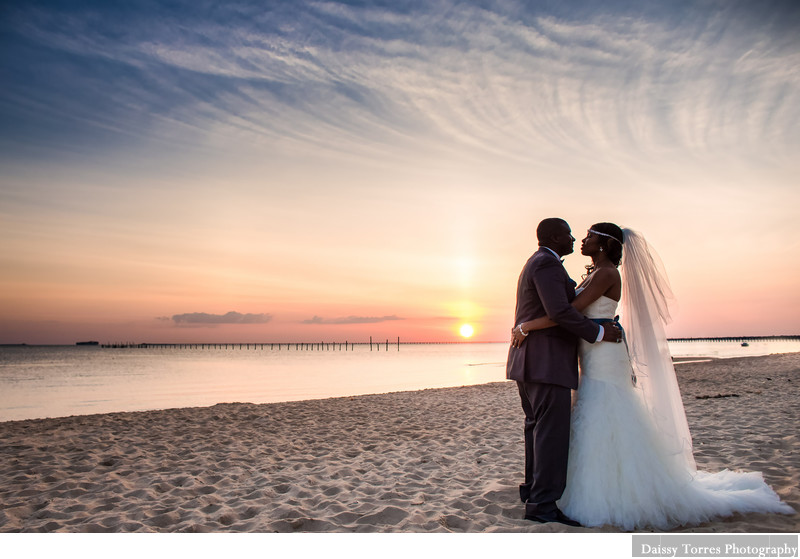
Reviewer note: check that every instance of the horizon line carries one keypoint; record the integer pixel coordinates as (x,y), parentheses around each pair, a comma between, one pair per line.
(119,345)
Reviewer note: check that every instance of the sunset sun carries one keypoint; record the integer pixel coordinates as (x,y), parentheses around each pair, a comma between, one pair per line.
(466,330)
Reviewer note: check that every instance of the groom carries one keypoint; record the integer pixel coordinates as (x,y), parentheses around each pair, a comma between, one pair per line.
(545,367)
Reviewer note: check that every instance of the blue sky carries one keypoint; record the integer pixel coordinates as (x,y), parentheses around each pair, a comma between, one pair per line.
(89,77)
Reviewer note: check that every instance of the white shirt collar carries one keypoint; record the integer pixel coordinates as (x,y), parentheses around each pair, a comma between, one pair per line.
(553,252)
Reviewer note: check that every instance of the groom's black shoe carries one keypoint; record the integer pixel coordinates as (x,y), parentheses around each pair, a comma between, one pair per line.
(524,492)
(555,516)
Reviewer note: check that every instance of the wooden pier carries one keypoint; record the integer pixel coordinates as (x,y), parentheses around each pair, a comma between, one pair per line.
(377,345)
(261,346)
(739,339)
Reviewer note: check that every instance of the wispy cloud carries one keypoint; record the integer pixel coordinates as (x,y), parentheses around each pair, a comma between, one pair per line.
(500,79)
(352,320)
(227,318)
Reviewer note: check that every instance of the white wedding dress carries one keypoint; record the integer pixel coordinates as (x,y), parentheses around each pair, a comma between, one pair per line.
(622,470)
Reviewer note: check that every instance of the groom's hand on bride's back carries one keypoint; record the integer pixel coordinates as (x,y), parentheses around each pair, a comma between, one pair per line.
(611,333)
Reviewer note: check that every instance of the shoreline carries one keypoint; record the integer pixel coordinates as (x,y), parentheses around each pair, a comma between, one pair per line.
(433,460)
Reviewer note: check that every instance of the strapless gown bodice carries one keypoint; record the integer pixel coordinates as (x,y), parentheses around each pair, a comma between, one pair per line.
(604,360)
(604,307)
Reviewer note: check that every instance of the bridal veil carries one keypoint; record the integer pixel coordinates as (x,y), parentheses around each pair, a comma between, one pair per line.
(645,297)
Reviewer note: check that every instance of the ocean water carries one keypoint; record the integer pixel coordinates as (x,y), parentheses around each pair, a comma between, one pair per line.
(723,348)
(56,381)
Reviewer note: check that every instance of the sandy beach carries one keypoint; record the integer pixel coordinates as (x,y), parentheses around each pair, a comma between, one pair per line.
(444,460)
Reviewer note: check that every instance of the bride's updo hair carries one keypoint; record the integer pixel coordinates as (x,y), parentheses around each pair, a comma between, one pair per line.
(613,244)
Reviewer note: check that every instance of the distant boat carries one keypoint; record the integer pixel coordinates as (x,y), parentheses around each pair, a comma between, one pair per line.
(745,344)
(87,343)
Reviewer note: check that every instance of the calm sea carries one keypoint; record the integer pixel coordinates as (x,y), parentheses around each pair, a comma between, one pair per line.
(55,381)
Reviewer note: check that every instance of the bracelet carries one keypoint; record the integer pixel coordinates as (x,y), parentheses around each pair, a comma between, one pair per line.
(519,327)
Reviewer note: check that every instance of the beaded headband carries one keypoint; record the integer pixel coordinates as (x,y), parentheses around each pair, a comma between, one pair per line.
(605,235)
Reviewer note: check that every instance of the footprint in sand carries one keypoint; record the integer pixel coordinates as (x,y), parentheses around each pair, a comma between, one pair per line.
(211,509)
(386,516)
(452,522)
(227,519)
(251,512)
(165,520)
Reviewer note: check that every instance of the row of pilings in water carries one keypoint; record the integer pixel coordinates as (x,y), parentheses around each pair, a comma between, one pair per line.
(739,339)
(296,346)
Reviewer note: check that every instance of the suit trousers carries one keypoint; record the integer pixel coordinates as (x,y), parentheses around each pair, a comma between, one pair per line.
(547,415)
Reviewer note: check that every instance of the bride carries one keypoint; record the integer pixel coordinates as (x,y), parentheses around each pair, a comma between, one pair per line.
(630,453)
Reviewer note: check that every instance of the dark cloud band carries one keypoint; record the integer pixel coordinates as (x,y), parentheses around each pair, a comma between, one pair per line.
(227,318)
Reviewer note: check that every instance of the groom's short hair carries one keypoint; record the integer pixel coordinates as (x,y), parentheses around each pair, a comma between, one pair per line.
(549,228)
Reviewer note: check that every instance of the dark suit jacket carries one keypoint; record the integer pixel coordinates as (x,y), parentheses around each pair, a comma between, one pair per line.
(549,355)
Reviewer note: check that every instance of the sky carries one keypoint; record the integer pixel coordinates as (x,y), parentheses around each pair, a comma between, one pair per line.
(193,171)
